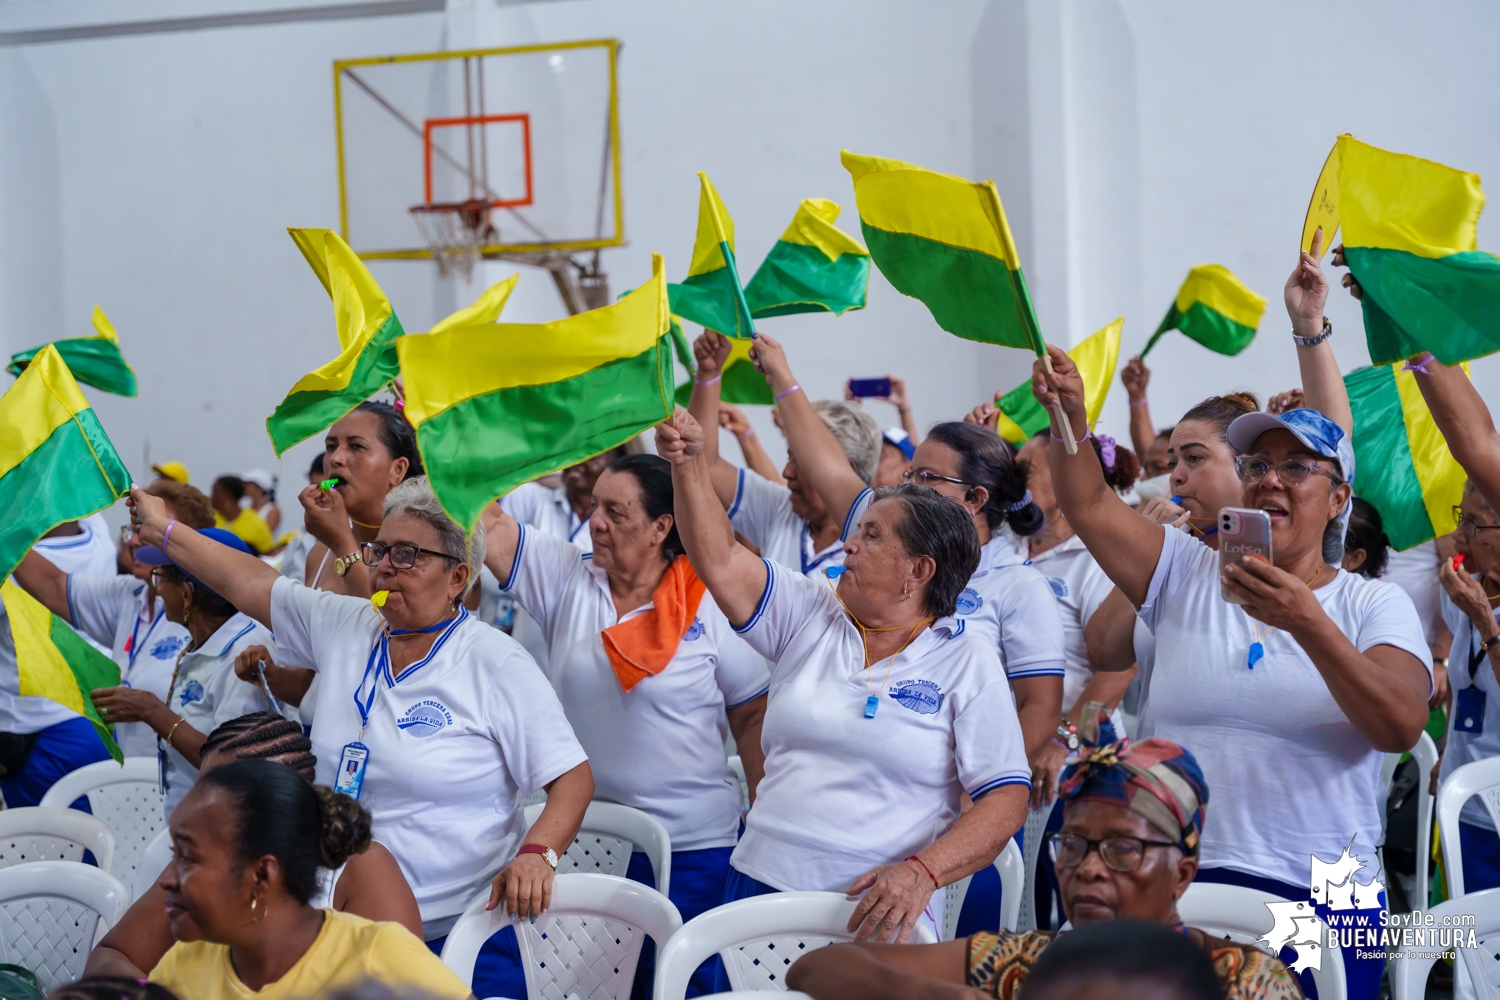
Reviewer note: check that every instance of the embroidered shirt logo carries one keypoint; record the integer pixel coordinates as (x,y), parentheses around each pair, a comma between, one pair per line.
(425,718)
(191,691)
(1059,587)
(167,647)
(969,601)
(922,697)
(695,631)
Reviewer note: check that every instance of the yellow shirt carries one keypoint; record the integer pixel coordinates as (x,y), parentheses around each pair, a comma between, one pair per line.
(251,527)
(348,950)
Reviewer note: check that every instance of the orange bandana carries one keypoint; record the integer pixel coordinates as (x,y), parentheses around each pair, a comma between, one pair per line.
(643,646)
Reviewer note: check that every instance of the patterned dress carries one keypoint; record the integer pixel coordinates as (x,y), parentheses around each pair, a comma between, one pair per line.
(1000,963)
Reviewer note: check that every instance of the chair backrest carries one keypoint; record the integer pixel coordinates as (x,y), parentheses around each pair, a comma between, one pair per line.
(1425,753)
(52,913)
(1012,869)
(758,938)
(1481,778)
(1238,914)
(48,833)
(126,797)
(609,834)
(738,767)
(587,944)
(1409,969)
(156,856)
(1033,831)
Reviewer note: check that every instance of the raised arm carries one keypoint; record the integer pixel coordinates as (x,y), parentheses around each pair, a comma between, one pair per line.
(502,533)
(1466,423)
(239,578)
(1109,634)
(711,351)
(735,577)
(41,579)
(1135,376)
(820,458)
(733,419)
(1126,545)
(1306,295)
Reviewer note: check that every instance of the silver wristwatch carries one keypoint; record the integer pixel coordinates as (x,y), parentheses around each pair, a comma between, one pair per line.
(1315,341)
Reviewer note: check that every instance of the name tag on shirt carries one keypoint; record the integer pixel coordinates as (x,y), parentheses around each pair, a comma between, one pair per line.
(1468,710)
(351,776)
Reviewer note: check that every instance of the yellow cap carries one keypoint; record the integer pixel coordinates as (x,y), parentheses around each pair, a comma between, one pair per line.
(172,470)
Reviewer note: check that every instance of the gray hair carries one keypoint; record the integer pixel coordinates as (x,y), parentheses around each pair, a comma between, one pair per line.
(414,498)
(855,431)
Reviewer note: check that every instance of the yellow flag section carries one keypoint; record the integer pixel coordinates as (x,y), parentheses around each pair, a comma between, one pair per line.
(711,294)
(814,267)
(54,662)
(367,330)
(486,308)
(499,404)
(1323,209)
(1021,415)
(95,361)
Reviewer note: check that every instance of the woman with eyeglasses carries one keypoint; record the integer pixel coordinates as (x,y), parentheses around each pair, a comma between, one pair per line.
(439,725)
(1128,849)
(1289,679)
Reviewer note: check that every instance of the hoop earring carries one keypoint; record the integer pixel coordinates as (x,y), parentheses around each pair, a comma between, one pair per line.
(254,917)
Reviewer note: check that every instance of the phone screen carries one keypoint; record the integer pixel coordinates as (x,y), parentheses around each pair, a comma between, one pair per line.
(870,388)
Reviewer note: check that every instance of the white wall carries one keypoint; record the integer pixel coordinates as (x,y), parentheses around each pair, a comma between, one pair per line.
(1131,139)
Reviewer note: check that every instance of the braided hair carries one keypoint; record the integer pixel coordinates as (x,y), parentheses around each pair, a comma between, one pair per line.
(264,736)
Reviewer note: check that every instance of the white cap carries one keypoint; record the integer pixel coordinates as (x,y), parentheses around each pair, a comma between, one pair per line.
(260,477)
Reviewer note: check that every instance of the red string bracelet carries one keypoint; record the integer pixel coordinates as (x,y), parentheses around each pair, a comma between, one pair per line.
(926,869)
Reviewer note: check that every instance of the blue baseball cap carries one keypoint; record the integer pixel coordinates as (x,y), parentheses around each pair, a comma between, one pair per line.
(1316,432)
(902,440)
(153,556)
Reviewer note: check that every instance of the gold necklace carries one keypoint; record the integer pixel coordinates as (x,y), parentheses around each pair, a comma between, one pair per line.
(1256,649)
(872,699)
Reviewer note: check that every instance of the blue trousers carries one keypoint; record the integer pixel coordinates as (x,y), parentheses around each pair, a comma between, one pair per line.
(1363,974)
(1481,852)
(981,908)
(58,750)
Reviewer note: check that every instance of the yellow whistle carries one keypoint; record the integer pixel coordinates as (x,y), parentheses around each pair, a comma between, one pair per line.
(378,598)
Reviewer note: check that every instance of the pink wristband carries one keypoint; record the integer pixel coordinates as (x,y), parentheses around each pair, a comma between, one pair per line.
(782,395)
(710,381)
(166,538)
(750,433)
(1087,433)
(1140,402)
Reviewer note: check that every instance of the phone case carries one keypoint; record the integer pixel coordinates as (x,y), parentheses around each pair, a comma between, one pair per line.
(1242,532)
(870,388)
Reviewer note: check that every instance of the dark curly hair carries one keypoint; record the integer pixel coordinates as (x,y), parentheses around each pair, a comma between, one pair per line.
(395,433)
(1367,531)
(986,459)
(264,736)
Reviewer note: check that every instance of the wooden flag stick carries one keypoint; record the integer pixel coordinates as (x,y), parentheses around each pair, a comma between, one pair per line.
(1065,425)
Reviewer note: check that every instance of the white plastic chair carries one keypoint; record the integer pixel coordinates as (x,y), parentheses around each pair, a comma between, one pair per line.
(1425,753)
(127,798)
(48,833)
(1481,778)
(738,767)
(1036,823)
(1409,972)
(609,834)
(1012,869)
(1238,914)
(52,913)
(156,856)
(586,944)
(758,938)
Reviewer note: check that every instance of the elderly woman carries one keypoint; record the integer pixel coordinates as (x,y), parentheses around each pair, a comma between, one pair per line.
(650,673)
(1289,679)
(883,710)
(1127,850)
(791,525)
(438,724)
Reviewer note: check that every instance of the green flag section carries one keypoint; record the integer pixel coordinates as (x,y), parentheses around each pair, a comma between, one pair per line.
(497,405)
(814,267)
(711,294)
(944,240)
(741,384)
(55,663)
(1021,415)
(367,329)
(1418,482)
(1411,240)
(94,361)
(1214,308)
(56,462)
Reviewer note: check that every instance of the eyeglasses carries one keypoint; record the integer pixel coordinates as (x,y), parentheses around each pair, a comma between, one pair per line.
(164,574)
(924,478)
(1293,472)
(403,554)
(1466,523)
(1121,854)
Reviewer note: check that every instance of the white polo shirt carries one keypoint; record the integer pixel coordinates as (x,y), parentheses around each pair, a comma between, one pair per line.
(207,693)
(92,551)
(1416,572)
(1462,747)
(762,512)
(660,746)
(22,714)
(546,508)
(1010,605)
(1288,774)
(454,742)
(1080,586)
(112,611)
(842,793)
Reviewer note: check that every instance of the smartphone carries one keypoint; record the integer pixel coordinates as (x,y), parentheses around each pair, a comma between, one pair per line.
(870,388)
(1242,532)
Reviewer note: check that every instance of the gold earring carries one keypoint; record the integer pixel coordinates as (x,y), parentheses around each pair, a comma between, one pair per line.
(254,917)
(906,590)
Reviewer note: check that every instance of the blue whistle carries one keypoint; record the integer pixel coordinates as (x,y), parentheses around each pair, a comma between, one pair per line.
(1177,500)
(834,572)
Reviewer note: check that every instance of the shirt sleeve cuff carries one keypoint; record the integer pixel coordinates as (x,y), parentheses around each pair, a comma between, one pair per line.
(765,598)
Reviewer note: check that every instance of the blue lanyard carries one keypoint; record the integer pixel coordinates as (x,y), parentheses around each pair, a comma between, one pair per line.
(808,567)
(383,647)
(135,647)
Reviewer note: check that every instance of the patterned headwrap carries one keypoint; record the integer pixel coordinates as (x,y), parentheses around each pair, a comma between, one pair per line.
(1156,778)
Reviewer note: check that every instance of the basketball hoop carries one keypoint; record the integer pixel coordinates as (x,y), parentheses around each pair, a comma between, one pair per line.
(455,232)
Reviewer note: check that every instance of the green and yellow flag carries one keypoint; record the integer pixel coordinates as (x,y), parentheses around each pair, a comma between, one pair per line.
(1419,481)
(55,662)
(486,308)
(367,328)
(497,405)
(814,267)
(56,462)
(1214,308)
(741,384)
(1021,415)
(711,295)
(94,361)
(1411,237)
(944,240)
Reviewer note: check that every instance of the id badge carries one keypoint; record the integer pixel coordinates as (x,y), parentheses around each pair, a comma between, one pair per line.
(351,774)
(1468,710)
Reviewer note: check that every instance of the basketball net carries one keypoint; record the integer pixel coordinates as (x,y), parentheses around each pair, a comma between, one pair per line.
(455,233)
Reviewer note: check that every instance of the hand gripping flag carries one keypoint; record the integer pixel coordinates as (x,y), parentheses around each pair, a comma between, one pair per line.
(711,295)
(1214,308)
(1021,415)
(814,267)
(741,385)
(95,361)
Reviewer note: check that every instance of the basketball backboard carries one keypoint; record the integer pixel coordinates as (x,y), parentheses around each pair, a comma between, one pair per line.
(513,151)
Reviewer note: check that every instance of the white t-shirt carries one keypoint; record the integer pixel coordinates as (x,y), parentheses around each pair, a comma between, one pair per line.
(112,611)
(1288,774)
(1465,748)
(207,693)
(1010,605)
(92,551)
(454,742)
(844,793)
(1145,661)
(762,512)
(658,747)
(1416,572)
(1080,586)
